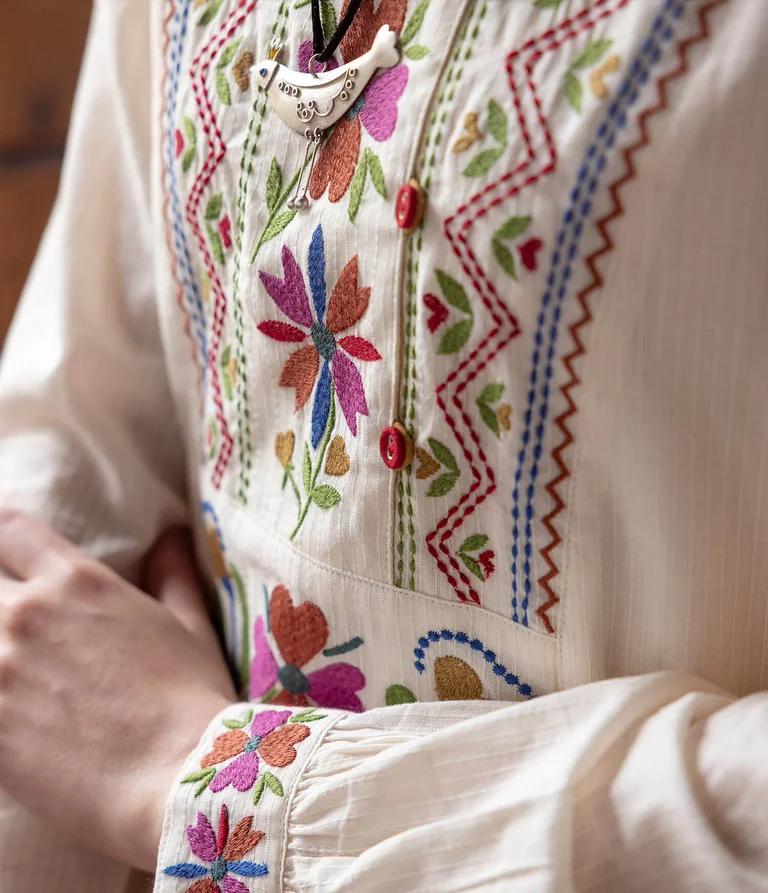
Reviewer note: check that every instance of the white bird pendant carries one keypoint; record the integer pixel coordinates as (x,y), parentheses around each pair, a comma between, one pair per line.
(312,103)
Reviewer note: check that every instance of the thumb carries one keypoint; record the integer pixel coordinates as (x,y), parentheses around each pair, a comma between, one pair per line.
(171,577)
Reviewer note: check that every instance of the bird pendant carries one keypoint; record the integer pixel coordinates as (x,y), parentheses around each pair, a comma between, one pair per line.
(312,103)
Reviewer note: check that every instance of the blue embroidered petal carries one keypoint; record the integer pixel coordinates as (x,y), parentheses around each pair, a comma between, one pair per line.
(322,404)
(248,869)
(185,869)
(316,270)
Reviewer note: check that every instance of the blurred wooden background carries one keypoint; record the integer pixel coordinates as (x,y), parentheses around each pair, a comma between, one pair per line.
(41,43)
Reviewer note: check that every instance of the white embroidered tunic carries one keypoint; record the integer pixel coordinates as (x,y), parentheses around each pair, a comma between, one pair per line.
(505,447)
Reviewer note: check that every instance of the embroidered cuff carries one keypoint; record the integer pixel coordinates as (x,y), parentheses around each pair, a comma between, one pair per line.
(226,817)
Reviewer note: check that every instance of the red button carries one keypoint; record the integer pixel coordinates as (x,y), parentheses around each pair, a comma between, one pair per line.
(410,205)
(396,447)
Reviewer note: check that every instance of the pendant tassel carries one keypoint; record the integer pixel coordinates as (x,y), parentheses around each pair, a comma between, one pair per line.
(300,202)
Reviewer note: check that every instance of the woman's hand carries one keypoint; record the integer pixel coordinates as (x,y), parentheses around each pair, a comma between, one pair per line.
(103,690)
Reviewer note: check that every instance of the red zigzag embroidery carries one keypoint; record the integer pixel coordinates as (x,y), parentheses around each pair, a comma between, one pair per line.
(617,210)
(450,391)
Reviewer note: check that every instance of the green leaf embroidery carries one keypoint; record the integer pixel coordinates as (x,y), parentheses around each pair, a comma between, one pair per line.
(274,185)
(413,24)
(326,496)
(273,784)
(546,4)
(357,186)
(489,417)
(204,776)
(513,227)
(226,356)
(443,455)
(504,256)
(399,694)
(222,88)
(497,122)
(573,90)
(258,789)
(473,543)
(482,162)
(217,249)
(456,337)
(209,12)
(491,393)
(592,53)
(328,18)
(277,225)
(187,159)
(442,484)
(239,723)
(189,129)
(306,469)
(229,53)
(453,292)
(307,715)
(417,51)
(377,174)
(213,208)
(472,566)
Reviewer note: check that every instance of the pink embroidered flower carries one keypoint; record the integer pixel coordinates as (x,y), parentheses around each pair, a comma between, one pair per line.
(376,109)
(269,738)
(223,853)
(345,307)
(301,634)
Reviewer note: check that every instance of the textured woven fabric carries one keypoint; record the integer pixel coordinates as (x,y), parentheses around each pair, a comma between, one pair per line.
(566,356)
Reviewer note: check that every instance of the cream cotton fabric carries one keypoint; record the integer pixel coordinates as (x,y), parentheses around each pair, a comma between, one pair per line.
(572,340)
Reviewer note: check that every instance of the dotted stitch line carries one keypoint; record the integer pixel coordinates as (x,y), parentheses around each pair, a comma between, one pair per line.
(578,210)
(253,133)
(616,210)
(446,635)
(186,287)
(214,157)
(480,280)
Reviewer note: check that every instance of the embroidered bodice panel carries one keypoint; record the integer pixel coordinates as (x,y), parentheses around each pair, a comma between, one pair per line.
(511,350)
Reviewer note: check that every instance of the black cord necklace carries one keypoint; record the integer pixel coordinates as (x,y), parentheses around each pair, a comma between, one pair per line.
(323,53)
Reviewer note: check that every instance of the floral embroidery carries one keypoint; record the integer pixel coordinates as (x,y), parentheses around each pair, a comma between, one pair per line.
(218,235)
(336,377)
(456,336)
(428,466)
(510,229)
(471,135)
(484,160)
(301,634)
(276,196)
(191,143)
(222,84)
(497,418)
(376,109)
(482,566)
(587,58)
(223,853)
(273,736)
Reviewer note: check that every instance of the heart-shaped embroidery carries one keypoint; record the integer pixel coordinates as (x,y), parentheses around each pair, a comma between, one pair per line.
(301,632)
(528,251)
(471,133)
(503,412)
(241,70)
(284,443)
(278,747)
(596,77)
(337,461)
(379,113)
(225,746)
(427,465)
(439,311)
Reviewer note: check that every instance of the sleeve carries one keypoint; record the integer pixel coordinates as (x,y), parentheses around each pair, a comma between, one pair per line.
(649,783)
(88,436)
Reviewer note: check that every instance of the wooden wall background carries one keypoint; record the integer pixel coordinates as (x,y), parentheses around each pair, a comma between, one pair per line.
(41,43)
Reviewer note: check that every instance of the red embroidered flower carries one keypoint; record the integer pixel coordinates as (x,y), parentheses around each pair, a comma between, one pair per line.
(345,307)
(301,634)
(376,109)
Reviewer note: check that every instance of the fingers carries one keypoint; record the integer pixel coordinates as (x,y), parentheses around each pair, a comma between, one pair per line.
(171,577)
(29,547)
